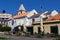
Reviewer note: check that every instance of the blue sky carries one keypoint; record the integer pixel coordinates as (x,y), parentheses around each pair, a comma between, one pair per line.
(12,6)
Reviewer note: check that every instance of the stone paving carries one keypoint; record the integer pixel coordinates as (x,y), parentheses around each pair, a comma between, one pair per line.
(28,38)
(23,38)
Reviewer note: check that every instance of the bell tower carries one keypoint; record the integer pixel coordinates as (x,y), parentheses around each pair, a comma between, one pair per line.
(21,9)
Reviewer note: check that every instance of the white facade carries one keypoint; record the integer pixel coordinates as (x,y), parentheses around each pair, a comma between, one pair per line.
(54,12)
(37,19)
(28,22)
(5,15)
(20,21)
(10,23)
(32,13)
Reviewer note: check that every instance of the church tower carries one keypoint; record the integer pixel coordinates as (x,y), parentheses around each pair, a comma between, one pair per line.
(21,9)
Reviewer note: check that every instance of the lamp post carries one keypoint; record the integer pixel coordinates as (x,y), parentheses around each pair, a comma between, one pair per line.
(41,23)
(41,19)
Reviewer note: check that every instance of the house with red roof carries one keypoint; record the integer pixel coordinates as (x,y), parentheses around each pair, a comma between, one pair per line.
(31,21)
(50,25)
(4,18)
(23,18)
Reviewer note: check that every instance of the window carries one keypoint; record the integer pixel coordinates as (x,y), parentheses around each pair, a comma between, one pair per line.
(12,22)
(33,20)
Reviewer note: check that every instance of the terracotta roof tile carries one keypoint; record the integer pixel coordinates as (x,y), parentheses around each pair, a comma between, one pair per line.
(10,18)
(56,17)
(20,15)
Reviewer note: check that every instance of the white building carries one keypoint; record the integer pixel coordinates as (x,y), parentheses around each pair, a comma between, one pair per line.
(21,17)
(28,16)
(4,18)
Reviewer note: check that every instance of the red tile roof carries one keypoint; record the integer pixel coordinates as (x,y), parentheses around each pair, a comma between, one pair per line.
(10,18)
(56,17)
(20,15)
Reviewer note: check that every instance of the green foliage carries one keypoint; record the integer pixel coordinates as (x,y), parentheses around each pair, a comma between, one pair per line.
(16,28)
(27,34)
(18,34)
(0,25)
(5,28)
(38,36)
(1,29)
(51,35)
(1,38)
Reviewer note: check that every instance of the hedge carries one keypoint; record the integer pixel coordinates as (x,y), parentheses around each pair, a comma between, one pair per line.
(5,29)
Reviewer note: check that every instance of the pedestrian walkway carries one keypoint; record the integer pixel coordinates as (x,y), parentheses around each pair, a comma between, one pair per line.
(10,37)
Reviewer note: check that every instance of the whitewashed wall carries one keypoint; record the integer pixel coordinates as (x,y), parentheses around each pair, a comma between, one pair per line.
(37,19)
(10,23)
(28,22)
(18,22)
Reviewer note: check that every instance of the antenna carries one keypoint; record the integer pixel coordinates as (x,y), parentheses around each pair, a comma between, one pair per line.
(41,7)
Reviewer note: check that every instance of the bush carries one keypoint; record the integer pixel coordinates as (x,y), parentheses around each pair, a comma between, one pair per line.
(16,29)
(6,29)
(0,25)
(2,38)
(18,34)
(27,34)
(35,33)
(38,35)
(51,35)
(1,29)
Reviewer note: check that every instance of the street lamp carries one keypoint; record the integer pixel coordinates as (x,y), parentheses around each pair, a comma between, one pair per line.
(41,23)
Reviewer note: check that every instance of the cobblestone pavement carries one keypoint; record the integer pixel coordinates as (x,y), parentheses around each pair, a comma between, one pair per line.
(23,38)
